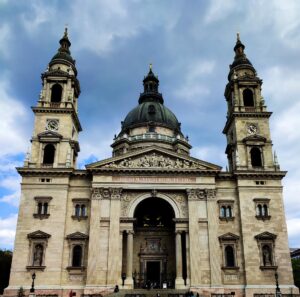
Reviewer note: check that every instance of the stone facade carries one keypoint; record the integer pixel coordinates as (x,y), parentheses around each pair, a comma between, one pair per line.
(151,213)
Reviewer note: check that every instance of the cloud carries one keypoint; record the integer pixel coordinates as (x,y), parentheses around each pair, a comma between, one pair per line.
(219,10)
(212,153)
(38,13)
(5,34)
(14,118)
(7,230)
(191,88)
(293,226)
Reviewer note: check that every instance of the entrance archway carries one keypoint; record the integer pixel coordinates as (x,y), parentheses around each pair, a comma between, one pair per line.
(154,251)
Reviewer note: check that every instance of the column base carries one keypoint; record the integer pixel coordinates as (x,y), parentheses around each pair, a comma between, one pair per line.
(179,283)
(128,284)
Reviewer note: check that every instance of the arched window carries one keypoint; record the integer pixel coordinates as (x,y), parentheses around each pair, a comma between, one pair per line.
(38,255)
(229,256)
(77,210)
(77,256)
(56,93)
(40,208)
(255,157)
(83,210)
(49,153)
(228,212)
(267,255)
(248,98)
(264,210)
(259,210)
(45,208)
(222,212)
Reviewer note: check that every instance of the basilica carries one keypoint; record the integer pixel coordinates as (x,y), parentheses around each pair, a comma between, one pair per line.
(151,216)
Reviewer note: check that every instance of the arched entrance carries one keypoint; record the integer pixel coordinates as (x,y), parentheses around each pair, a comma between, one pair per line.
(154,251)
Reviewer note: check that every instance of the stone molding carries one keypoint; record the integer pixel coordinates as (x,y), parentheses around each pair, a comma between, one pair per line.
(200,194)
(107,193)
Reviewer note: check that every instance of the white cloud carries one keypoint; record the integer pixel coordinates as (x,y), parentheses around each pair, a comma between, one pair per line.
(38,14)
(219,10)
(13,130)
(191,87)
(213,154)
(7,230)
(294,231)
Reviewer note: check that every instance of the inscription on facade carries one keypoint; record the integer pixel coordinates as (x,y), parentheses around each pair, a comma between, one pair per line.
(154,179)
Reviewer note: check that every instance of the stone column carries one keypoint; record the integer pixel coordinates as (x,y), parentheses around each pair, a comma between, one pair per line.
(114,269)
(214,252)
(187,248)
(94,241)
(194,199)
(179,282)
(129,280)
(121,258)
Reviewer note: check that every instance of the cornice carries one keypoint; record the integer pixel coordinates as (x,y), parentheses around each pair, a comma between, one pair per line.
(71,111)
(259,174)
(245,114)
(25,171)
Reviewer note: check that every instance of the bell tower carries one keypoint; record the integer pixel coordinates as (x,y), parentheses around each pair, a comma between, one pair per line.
(249,144)
(56,128)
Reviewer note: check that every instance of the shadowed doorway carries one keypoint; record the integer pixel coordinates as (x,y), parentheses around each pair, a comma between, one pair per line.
(154,244)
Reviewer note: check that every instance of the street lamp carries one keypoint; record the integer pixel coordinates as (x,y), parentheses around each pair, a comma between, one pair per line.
(32,285)
(123,278)
(277,292)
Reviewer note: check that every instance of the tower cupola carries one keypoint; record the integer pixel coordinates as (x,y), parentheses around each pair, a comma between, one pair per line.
(63,55)
(151,84)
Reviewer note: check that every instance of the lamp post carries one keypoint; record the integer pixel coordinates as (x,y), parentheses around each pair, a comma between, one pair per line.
(277,292)
(123,278)
(32,285)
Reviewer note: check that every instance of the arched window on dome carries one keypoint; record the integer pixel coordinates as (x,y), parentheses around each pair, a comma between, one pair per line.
(56,93)
(49,153)
(248,98)
(255,154)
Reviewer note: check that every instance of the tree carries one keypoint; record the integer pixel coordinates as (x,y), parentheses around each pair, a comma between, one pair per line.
(296,271)
(5,263)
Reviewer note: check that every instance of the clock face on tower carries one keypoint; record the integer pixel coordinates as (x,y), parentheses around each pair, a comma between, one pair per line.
(252,129)
(52,125)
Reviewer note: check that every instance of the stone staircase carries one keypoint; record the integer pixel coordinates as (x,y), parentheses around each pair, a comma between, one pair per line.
(149,293)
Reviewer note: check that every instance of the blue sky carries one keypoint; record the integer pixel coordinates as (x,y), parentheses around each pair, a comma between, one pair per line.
(190,44)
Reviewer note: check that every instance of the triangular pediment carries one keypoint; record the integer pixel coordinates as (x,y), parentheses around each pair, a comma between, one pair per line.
(38,234)
(265,236)
(77,236)
(49,134)
(228,236)
(154,158)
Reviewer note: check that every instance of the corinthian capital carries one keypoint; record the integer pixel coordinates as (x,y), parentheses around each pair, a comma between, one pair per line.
(107,193)
(200,194)
(115,193)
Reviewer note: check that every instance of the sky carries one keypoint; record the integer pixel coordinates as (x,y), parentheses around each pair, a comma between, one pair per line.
(190,44)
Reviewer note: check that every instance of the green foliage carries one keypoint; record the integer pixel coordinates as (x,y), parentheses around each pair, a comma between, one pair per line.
(5,263)
(296,271)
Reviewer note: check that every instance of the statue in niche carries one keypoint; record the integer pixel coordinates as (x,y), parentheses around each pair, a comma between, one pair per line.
(267,256)
(38,255)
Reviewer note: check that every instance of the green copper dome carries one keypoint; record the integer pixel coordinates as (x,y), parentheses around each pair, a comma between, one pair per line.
(151,112)
(151,109)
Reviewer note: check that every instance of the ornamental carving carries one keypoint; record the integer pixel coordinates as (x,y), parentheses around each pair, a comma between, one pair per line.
(155,160)
(107,193)
(200,194)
